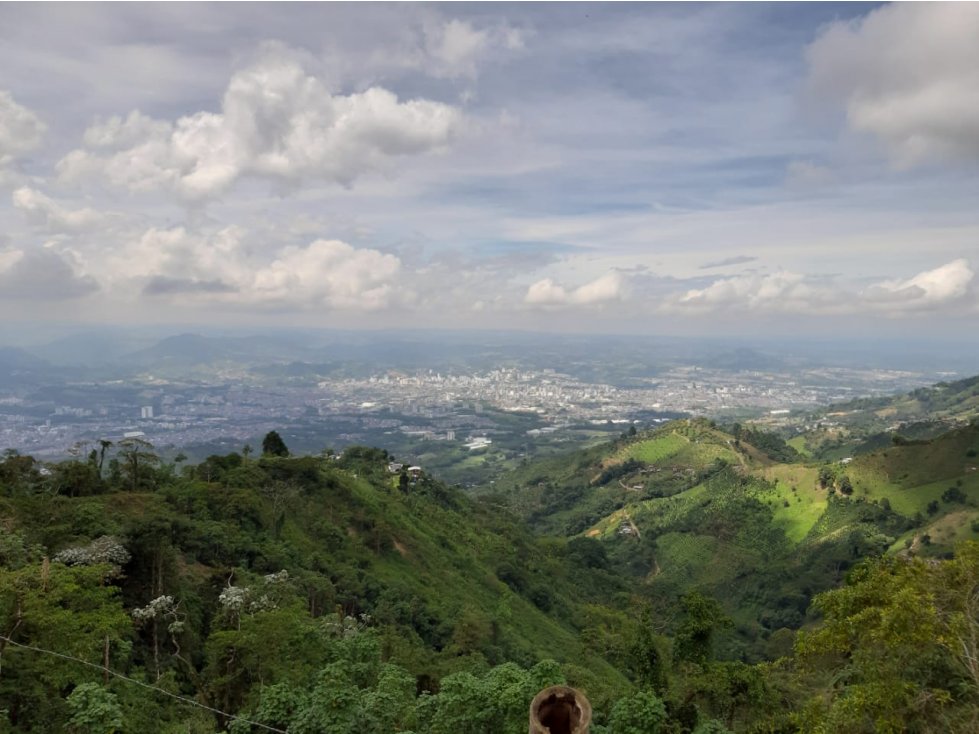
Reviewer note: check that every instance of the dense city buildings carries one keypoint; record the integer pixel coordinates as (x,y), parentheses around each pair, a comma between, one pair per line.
(426,404)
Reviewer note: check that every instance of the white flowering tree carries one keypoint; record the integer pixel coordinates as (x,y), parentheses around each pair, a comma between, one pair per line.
(239,600)
(106,550)
(163,612)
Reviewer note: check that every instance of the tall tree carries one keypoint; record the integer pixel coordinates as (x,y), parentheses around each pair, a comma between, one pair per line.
(137,455)
(104,445)
(901,640)
(273,445)
(695,635)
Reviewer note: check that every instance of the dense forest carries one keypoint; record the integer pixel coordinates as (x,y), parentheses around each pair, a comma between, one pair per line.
(339,593)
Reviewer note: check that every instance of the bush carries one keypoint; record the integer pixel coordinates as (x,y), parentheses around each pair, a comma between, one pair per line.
(953,494)
(641,713)
(94,709)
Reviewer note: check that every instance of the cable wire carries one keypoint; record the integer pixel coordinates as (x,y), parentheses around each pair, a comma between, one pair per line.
(180,698)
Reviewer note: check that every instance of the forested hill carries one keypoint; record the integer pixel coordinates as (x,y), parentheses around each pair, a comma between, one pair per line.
(740,512)
(958,400)
(334,595)
(739,515)
(240,567)
(868,424)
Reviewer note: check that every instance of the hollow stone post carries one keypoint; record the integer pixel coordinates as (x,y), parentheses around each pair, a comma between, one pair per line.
(560,710)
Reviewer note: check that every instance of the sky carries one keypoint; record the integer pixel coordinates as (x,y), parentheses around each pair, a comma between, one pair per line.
(699,169)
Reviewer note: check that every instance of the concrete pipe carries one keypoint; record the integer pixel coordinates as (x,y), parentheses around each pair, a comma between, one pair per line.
(560,710)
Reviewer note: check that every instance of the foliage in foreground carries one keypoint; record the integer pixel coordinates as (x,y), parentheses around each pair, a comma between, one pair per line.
(319,595)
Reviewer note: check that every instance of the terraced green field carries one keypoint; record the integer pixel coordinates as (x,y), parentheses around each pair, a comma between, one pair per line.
(653,450)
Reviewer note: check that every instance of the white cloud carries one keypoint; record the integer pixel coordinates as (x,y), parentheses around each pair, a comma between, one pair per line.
(787,292)
(907,73)
(929,289)
(456,48)
(781,291)
(331,273)
(43,211)
(118,133)
(177,253)
(222,267)
(20,129)
(548,293)
(41,275)
(440,48)
(275,122)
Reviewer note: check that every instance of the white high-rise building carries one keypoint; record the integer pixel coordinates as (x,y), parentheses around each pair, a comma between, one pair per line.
(146,411)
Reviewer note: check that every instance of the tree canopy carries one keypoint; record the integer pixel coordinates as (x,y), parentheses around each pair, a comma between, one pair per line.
(273,445)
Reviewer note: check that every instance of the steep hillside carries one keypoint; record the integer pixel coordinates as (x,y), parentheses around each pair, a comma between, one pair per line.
(566,494)
(690,506)
(453,585)
(323,595)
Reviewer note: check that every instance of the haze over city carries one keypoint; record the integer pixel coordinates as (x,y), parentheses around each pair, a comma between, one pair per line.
(666,169)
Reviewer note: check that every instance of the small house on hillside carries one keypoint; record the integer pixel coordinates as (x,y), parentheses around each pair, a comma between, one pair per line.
(414,471)
(394,467)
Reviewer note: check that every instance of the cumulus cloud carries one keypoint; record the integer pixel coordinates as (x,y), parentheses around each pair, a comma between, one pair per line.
(276,122)
(782,291)
(42,275)
(929,289)
(44,212)
(548,293)
(176,254)
(788,292)
(119,133)
(331,273)
(908,74)
(20,129)
(222,267)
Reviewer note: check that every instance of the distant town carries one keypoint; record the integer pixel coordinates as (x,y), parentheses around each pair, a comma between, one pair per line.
(394,406)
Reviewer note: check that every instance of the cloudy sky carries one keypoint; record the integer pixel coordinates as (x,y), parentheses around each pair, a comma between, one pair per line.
(668,169)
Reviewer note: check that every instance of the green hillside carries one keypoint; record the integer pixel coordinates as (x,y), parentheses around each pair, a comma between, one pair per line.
(454,585)
(689,579)
(691,506)
(870,424)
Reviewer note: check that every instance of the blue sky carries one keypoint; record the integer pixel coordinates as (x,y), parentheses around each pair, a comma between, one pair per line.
(688,168)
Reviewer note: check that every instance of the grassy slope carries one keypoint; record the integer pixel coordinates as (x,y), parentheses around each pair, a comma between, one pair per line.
(796,485)
(761,532)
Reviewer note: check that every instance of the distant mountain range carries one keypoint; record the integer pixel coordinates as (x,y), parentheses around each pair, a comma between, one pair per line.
(194,349)
(19,368)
